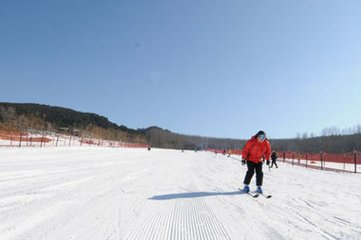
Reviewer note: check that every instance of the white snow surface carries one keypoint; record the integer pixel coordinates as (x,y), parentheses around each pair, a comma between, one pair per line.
(111,193)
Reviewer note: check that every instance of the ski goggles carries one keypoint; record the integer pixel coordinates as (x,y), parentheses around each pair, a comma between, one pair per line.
(261,137)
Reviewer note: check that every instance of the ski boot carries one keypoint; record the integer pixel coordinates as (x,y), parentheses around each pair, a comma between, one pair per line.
(245,189)
(259,190)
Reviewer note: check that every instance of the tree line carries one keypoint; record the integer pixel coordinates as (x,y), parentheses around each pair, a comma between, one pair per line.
(158,137)
(331,144)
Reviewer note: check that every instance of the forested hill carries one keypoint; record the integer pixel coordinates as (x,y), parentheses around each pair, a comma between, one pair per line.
(332,144)
(159,137)
(24,116)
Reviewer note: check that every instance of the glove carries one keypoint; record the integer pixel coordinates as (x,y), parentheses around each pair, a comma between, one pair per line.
(267,162)
(243,161)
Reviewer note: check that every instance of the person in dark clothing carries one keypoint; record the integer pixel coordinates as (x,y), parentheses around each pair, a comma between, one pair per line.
(274,157)
(257,148)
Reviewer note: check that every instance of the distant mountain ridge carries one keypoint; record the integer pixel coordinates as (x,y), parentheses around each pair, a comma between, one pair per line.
(164,138)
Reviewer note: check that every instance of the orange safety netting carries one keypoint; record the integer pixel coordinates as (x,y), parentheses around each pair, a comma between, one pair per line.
(349,157)
(20,136)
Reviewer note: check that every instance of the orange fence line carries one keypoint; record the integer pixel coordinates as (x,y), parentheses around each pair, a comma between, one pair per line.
(309,159)
(23,138)
(322,156)
(349,157)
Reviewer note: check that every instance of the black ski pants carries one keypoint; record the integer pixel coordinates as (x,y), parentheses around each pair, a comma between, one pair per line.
(252,167)
(274,162)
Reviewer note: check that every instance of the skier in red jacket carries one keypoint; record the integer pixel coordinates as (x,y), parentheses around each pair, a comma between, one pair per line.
(254,152)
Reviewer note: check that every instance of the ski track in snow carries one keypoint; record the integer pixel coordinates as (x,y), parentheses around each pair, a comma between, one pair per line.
(96,193)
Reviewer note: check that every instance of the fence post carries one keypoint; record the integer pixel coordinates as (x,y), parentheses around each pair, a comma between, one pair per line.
(21,136)
(306,160)
(57,139)
(299,158)
(321,153)
(284,157)
(355,159)
(293,158)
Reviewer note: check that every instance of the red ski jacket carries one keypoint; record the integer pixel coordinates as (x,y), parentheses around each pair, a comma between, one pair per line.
(255,150)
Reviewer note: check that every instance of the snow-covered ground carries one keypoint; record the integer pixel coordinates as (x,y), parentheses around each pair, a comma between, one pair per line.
(111,193)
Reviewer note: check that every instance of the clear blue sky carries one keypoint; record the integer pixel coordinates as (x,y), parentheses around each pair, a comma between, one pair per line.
(220,68)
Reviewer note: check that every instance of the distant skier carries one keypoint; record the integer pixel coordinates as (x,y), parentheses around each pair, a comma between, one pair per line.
(257,148)
(274,157)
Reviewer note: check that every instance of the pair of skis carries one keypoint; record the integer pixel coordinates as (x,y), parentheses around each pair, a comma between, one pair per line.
(256,195)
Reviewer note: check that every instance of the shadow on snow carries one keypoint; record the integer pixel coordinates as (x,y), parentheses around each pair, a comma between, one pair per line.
(193,195)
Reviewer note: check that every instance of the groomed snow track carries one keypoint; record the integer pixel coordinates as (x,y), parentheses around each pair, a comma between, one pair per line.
(94,193)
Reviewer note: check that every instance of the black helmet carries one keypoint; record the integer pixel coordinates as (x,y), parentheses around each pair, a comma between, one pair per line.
(260,133)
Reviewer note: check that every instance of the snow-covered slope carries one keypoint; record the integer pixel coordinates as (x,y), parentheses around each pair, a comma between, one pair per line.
(106,193)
